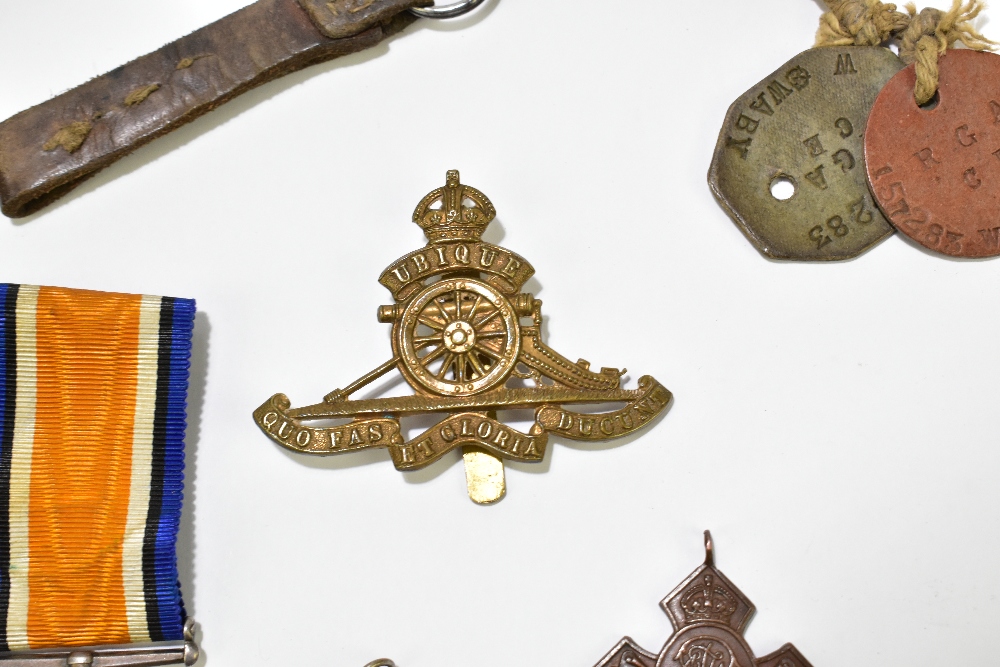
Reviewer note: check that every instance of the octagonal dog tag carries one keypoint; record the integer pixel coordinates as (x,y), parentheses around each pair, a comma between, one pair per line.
(788,166)
(709,615)
(468,341)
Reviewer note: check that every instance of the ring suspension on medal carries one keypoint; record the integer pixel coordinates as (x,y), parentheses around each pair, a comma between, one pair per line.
(468,341)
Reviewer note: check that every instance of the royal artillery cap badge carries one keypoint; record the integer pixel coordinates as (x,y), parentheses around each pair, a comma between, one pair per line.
(459,340)
(709,615)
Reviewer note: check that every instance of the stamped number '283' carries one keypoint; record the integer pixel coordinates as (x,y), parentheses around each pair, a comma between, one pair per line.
(836,227)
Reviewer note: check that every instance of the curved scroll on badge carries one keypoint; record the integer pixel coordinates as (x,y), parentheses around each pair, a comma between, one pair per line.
(463,429)
(468,342)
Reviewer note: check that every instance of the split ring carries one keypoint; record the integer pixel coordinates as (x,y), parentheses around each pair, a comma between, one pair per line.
(446,11)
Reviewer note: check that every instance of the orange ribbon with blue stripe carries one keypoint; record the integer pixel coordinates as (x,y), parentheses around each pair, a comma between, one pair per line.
(93,390)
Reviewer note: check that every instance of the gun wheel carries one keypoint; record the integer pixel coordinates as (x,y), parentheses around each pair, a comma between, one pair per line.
(458,337)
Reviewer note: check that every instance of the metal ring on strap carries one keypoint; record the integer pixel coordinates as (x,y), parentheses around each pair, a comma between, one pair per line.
(447,11)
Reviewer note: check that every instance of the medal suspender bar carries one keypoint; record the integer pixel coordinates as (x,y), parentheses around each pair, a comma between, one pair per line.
(93,390)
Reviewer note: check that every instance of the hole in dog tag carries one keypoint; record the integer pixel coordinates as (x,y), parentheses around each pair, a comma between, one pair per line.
(782,188)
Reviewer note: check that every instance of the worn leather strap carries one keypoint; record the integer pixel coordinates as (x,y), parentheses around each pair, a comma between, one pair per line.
(51,148)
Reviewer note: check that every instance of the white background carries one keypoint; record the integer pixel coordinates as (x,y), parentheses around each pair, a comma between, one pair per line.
(834,424)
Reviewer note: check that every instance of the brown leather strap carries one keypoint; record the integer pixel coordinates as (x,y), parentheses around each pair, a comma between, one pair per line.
(50,149)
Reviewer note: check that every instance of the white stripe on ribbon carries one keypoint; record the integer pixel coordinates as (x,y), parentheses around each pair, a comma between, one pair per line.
(142,466)
(20,464)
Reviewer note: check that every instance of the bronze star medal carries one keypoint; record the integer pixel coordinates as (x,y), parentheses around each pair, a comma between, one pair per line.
(468,341)
(709,615)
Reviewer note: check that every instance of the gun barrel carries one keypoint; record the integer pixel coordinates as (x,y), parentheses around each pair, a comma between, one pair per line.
(364,380)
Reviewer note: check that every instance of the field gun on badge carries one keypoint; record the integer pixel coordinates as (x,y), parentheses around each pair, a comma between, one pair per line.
(459,340)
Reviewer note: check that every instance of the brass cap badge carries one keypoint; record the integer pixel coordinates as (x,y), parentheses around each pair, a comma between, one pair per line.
(460,341)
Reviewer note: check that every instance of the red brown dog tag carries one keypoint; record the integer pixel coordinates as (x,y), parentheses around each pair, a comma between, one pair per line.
(935,170)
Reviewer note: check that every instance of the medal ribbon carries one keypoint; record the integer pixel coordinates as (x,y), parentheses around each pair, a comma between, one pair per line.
(93,393)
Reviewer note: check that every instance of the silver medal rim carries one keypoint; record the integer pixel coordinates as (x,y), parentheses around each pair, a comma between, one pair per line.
(447,11)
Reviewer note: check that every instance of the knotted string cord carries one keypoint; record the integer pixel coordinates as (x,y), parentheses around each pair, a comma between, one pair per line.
(932,32)
(859,23)
(923,37)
